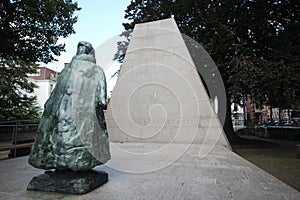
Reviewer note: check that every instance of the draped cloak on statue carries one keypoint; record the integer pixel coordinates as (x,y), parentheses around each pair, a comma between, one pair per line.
(72,132)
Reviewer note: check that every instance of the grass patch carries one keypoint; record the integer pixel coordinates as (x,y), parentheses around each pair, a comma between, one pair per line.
(279,163)
(266,153)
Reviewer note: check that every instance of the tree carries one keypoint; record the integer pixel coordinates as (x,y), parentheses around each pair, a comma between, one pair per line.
(15,102)
(29,31)
(251,41)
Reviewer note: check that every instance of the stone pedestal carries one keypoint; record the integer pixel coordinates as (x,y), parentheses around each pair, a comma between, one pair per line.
(68,181)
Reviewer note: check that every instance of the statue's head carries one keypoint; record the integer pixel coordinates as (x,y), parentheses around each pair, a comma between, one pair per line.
(85,48)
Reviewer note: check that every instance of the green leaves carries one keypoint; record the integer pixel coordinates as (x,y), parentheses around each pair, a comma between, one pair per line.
(15,103)
(29,31)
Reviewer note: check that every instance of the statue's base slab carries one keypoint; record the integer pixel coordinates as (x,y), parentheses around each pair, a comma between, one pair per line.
(68,181)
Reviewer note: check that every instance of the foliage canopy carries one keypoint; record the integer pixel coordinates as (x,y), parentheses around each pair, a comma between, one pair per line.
(29,31)
(254,43)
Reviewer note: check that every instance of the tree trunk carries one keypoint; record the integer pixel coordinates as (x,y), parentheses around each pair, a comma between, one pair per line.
(271,114)
(228,126)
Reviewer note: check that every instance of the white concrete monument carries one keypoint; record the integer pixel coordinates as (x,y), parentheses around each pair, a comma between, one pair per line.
(159,96)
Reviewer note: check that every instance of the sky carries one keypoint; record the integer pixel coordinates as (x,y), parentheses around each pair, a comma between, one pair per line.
(98,22)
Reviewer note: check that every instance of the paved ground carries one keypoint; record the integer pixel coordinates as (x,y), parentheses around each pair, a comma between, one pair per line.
(220,175)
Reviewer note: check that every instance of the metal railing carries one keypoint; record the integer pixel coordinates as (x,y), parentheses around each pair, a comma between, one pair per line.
(17,136)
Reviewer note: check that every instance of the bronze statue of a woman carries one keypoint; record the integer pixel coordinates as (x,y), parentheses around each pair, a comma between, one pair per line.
(72,133)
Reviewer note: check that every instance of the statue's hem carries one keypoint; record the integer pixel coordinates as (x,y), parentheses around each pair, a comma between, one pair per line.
(67,181)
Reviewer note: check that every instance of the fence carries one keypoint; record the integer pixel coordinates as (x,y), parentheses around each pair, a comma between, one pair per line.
(17,136)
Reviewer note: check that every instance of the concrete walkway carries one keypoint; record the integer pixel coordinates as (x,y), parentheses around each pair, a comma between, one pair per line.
(220,175)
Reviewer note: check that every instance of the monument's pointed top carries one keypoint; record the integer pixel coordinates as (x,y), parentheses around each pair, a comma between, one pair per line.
(158,22)
(168,24)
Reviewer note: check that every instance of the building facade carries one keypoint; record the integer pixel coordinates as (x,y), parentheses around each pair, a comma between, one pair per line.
(45,79)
